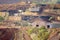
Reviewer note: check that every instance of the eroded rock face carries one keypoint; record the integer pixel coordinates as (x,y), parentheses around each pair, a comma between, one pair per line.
(7,34)
(55,34)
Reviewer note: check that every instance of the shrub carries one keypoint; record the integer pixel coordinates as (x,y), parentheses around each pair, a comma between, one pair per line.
(1,19)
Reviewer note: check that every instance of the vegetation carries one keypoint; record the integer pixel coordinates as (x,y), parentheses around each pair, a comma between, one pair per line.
(1,19)
(38,33)
(43,33)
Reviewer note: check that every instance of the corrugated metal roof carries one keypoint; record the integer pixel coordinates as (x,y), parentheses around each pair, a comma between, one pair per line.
(14,1)
(8,1)
(54,25)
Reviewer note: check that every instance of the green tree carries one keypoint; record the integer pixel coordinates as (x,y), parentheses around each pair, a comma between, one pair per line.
(43,33)
(40,33)
(1,19)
